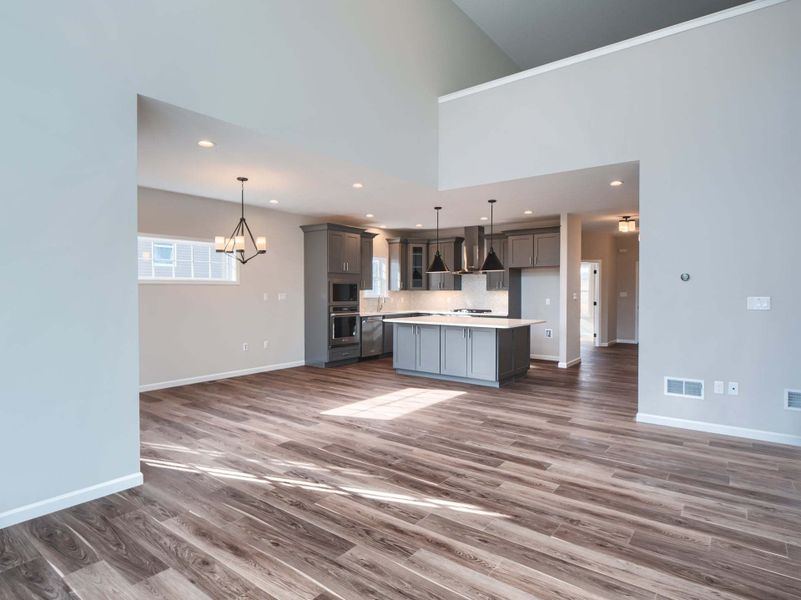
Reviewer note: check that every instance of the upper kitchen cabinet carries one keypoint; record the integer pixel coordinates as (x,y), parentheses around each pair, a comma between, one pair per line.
(397,264)
(451,251)
(416,265)
(520,250)
(366,273)
(344,252)
(533,249)
(546,249)
(498,280)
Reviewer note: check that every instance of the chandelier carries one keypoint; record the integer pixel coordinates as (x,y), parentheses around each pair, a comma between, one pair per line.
(236,243)
(626,225)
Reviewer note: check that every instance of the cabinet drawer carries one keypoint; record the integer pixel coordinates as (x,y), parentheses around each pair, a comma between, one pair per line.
(343,352)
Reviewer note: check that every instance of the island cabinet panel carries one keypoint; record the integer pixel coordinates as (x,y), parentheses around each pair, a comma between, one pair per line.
(428,348)
(482,354)
(404,352)
(454,351)
(546,250)
(520,250)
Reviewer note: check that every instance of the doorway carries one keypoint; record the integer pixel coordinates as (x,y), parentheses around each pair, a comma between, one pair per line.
(590,302)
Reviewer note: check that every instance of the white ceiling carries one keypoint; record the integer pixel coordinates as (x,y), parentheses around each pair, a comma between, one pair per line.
(536,32)
(305,183)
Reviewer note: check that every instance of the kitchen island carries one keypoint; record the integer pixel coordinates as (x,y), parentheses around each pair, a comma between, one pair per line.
(477,350)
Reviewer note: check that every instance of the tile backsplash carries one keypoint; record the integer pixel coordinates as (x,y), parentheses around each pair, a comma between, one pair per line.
(473,294)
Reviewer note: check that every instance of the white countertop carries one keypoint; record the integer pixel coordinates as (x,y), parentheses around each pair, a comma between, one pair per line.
(453,321)
(385,313)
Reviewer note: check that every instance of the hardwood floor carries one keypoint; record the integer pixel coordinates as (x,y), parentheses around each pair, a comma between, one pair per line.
(543,489)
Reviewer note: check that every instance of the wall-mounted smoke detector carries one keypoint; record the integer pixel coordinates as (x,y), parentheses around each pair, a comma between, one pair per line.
(684,388)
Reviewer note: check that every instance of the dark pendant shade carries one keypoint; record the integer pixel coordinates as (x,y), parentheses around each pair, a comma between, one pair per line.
(438,265)
(492,262)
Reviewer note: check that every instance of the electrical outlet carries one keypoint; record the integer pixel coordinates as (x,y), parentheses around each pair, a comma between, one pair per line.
(244,346)
(549,333)
(734,388)
(718,387)
(757,303)
(266,343)
(547,302)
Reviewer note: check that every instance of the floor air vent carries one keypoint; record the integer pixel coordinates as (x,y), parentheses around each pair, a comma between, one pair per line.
(792,399)
(686,388)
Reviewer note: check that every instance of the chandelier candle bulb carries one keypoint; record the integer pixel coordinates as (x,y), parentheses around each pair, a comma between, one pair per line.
(219,243)
(261,244)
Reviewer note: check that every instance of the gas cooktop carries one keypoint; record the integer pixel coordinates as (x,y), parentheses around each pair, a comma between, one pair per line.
(473,311)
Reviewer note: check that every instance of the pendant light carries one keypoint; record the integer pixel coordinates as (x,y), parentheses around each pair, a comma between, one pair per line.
(438,265)
(236,243)
(492,262)
(626,225)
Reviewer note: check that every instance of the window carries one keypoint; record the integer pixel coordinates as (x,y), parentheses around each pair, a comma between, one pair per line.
(176,260)
(379,288)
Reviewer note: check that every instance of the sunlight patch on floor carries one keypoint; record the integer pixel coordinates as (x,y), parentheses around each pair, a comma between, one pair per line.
(392,405)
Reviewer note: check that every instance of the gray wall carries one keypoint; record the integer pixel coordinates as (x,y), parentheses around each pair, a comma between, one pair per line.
(537,286)
(712,114)
(197,330)
(357,80)
(628,253)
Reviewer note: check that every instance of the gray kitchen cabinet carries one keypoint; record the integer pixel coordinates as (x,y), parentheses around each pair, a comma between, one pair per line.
(366,259)
(498,280)
(344,252)
(428,348)
(454,351)
(397,264)
(546,250)
(482,353)
(520,251)
(389,336)
(451,251)
(417,263)
(404,347)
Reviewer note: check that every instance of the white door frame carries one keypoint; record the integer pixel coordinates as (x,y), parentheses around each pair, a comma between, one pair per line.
(637,302)
(595,291)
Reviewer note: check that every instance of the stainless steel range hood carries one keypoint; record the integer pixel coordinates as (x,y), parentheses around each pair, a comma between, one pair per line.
(472,250)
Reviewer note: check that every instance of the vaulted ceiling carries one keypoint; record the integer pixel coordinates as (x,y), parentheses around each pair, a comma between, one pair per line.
(536,32)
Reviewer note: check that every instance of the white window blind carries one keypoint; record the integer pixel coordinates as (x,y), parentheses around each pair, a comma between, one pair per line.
(164,259)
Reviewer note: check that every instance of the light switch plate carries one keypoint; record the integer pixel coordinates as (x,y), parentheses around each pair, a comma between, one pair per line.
(758,303)
(624,294)
(282,295)
(734,388)
(718,387)
(549,333)
(547,302)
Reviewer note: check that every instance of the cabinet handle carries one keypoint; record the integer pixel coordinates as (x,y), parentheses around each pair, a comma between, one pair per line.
(531,260)
(464,333)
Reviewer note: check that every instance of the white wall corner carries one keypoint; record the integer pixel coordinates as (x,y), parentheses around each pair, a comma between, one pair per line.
(570,363)
(62,501)
(740,432)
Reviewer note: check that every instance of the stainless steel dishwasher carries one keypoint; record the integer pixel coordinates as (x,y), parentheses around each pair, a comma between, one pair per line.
(372,336)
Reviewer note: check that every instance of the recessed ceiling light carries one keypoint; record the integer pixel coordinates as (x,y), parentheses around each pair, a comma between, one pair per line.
(419,225)
(369,215)
(358,185)
(615,183)
(206,144)
(484,218)
(273,201)
(528,212)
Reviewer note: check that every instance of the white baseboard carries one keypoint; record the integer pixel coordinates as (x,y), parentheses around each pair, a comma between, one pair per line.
(570,363)
(45,507)
(607,344)
(551,357)
(149,387)
(742,432)
(619,341)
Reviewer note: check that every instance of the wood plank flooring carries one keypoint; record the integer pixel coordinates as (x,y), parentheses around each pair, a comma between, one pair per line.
(543,489)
